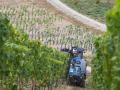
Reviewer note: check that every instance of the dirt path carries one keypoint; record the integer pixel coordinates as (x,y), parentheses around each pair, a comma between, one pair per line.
(76,87)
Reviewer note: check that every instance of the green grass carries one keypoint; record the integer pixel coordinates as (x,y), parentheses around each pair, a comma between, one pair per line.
(90,9)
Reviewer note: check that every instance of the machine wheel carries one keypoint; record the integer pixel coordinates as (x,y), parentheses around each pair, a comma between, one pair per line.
(83,84)
(68,81)
(85,76)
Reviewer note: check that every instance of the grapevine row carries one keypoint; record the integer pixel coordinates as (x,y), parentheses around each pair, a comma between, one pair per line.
(106,62)
(23,61)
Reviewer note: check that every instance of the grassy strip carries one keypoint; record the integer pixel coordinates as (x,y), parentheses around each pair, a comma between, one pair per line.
(90,8)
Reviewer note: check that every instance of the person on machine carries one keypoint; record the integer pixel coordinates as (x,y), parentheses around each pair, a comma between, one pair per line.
(75,58)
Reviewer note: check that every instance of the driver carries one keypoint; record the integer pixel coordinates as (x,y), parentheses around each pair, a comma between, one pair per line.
(75,58)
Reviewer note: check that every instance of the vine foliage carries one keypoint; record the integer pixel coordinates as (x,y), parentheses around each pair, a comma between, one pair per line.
(22,60)
(106,62)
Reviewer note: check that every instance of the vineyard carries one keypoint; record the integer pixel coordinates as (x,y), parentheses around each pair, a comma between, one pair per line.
(23,60)
(48,28)
(31,39)
(106,62)
(30,43)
